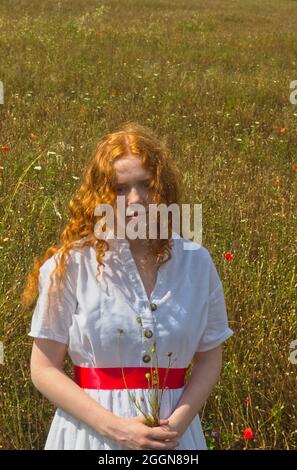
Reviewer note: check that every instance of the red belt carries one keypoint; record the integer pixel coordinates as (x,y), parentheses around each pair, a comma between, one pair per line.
(135,377)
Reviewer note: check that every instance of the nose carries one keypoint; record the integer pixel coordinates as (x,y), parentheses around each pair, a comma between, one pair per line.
(134,197)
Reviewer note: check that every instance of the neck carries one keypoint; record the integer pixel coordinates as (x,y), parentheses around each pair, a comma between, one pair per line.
(140,247)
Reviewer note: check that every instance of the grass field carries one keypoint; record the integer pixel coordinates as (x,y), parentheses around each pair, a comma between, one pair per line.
(214,79)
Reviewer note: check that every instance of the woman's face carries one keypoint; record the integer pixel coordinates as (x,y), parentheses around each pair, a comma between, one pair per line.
(133,183)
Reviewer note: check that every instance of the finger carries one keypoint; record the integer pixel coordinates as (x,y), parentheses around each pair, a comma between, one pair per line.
(165,423)
(158,445)
(140,419)
(162,434)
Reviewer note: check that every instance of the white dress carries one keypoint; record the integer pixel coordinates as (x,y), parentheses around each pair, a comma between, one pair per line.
(190,316)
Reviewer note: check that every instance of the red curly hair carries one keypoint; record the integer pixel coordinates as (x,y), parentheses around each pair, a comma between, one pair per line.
(98,187)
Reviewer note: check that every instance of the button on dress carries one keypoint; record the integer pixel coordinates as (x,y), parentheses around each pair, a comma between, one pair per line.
(186,313)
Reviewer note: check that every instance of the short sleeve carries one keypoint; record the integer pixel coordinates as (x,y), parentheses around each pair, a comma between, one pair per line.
(53,313)
(216,329)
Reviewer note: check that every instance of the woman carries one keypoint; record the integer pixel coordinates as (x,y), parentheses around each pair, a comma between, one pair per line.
(123,308)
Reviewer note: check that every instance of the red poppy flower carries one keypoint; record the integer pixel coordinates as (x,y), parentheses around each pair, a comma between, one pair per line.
(4,148)
(33,136)
(248,433)
(228,255)
(294,167)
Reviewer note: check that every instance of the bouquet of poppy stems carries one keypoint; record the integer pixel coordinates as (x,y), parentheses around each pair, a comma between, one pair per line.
(152,419)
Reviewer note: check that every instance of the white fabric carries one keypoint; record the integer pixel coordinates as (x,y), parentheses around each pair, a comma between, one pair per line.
(190,316)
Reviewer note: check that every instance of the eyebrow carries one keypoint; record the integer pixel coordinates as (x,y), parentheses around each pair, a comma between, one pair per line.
(140,181)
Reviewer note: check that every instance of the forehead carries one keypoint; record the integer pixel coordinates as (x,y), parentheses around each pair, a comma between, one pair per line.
(130,168)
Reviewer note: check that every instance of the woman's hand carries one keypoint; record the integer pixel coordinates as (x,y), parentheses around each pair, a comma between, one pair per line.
(133,434)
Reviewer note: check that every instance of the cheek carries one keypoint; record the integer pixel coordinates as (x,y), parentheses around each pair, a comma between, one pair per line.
(150,195)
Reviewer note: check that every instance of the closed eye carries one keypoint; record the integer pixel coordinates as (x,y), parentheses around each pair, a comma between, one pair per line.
(145,184)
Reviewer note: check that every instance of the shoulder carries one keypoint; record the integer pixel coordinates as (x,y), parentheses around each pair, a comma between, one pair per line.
(199,264)
(192,251)
(75,256)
